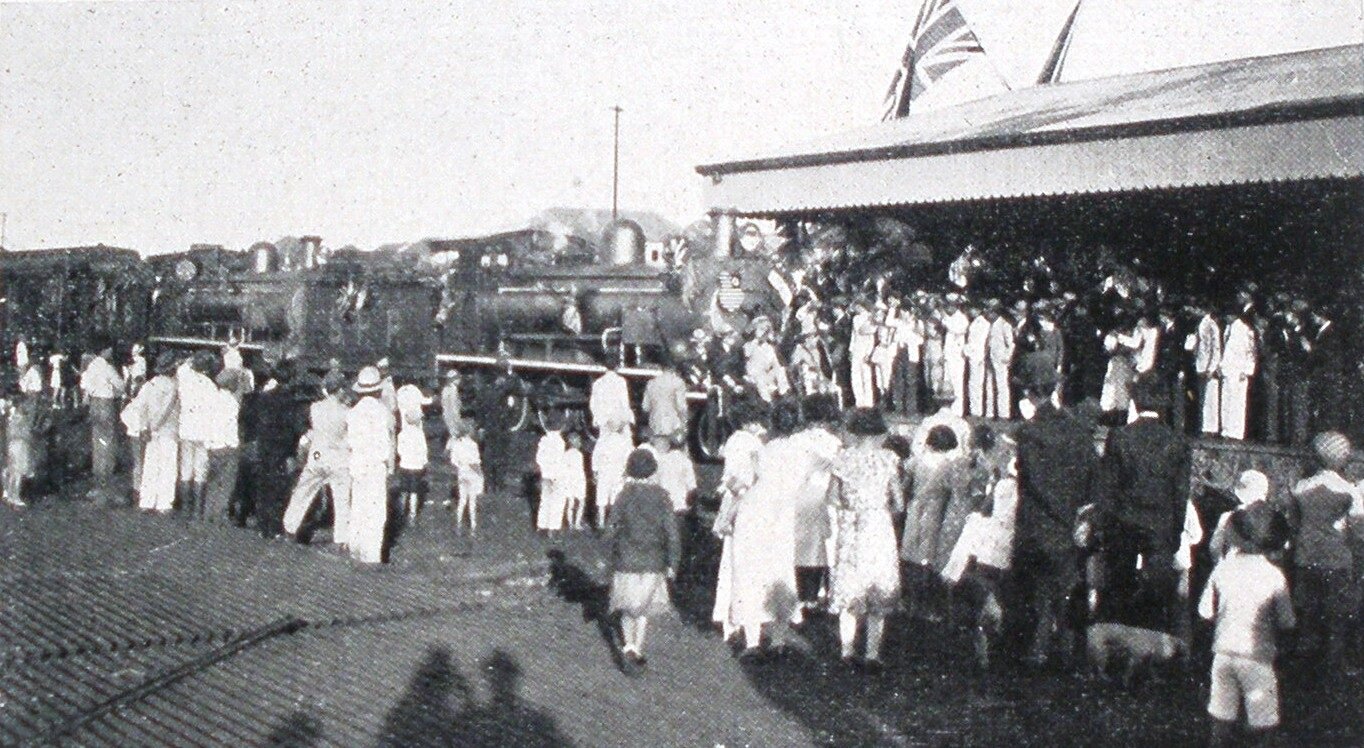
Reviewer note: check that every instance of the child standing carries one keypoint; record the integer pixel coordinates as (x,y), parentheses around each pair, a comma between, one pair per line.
(464,458)
(613,447)
(1247,599)
(412,449)
(645,550)
(549,459)
(573,479)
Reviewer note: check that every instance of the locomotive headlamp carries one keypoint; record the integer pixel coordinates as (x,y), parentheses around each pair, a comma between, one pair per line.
(186,270)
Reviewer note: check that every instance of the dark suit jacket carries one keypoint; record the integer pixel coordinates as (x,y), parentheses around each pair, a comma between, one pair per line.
(1056,470)
(1145,479)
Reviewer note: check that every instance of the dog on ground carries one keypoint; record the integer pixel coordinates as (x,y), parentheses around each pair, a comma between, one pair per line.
(1138,649)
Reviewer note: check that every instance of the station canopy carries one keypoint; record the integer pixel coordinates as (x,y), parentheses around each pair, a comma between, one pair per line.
(1284,118)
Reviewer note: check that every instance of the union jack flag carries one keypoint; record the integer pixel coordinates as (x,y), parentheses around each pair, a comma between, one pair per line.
(941,42)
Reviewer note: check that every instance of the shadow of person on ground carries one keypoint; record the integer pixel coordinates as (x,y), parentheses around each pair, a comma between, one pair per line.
(506,720)
(299,730)
(573,585)
(429,710)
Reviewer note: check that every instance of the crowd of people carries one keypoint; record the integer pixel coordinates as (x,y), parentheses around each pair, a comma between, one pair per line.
(824,508)
(1254,366)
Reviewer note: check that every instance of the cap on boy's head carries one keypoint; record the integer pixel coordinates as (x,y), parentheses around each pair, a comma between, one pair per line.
(1251,487)
(1259,528)
(1333,449)
(640,464)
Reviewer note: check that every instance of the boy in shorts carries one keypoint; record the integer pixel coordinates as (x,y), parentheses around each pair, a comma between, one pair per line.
(1247,599)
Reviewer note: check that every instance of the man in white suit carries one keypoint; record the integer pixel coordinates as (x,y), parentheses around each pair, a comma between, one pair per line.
(1206,346)
(1240,352)
(955,323)
(977,338)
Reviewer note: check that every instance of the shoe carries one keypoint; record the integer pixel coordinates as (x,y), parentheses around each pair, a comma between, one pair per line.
(751,654)
(873,667)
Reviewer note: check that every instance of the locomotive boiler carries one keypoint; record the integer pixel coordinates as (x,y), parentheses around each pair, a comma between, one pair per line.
(354,309)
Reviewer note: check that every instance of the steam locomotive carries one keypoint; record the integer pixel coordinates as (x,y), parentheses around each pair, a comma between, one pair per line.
(73,299)
(542,309)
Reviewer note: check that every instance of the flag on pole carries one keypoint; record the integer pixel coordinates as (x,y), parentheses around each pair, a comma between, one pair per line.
(941,42)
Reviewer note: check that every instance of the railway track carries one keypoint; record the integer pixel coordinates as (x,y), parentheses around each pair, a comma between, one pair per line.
(86,657)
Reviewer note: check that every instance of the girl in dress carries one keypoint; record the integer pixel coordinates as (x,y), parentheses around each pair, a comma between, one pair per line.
(468,465)
(549,459)
(573,480)
(645,551)
(412,458)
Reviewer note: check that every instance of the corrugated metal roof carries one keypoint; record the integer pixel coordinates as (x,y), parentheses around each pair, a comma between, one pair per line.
(1288,117)
(1224,93)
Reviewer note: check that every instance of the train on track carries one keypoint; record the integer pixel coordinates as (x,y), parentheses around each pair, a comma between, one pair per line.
(544,309)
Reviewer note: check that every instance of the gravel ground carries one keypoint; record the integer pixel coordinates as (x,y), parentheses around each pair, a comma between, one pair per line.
(461,641)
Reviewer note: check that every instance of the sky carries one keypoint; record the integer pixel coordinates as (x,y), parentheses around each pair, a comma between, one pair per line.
(156,125)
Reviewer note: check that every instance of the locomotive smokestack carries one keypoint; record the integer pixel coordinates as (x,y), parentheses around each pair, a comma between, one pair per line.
(724,233)
(312,250)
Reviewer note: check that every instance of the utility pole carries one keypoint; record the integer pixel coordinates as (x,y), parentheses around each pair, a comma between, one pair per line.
(4,219)
(615,169)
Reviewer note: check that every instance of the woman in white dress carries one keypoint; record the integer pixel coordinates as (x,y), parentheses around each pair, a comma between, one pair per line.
(740,457)
(764,559)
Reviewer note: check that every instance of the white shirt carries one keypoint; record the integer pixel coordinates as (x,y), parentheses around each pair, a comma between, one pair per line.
(54,363)
(197,395)
(1239,350)
(954,336)
(609,402)
(223,413)
(977,338)
(549,455)
(464,453)
(1206,345)
(412,451)
(32,381)
(100,379)
(1148,342)
(911,336)
(1002,342)
(369,433)
(676,475)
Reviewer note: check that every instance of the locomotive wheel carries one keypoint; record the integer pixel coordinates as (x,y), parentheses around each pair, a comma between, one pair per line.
(518,410)
(554,394)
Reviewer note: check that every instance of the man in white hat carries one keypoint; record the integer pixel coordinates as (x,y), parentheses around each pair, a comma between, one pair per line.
(369,438)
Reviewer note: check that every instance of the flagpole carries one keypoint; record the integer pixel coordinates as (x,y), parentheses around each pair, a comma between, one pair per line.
(615,168)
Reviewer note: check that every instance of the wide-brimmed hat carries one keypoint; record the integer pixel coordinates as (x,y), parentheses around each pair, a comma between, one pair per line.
(368,381)
(1333,448)
(640,464)
(1251,487)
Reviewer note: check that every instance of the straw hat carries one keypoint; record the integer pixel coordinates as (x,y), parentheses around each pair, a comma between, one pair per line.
(1333,448)
(368,382)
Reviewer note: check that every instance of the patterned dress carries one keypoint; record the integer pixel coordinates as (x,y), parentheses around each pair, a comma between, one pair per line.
(866,569)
